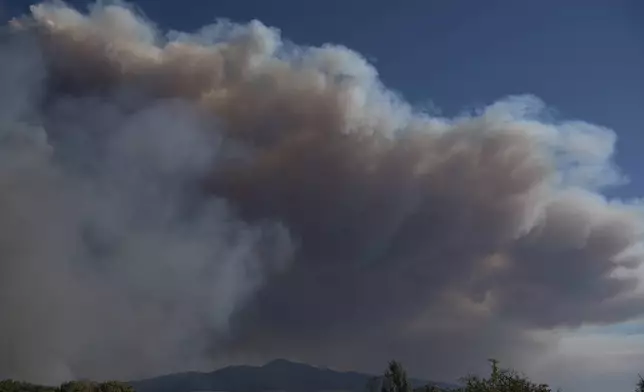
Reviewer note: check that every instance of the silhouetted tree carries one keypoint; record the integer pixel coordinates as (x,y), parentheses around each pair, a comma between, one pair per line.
(79,386)
(501,380)
(18,386)
(114,386)
(71,386)
(395,379)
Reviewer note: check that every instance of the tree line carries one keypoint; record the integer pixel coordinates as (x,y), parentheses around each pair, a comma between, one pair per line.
(394,380)
(499,380)
(72,386)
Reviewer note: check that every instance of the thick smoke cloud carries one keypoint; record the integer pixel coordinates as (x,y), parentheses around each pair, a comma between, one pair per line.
(182,200)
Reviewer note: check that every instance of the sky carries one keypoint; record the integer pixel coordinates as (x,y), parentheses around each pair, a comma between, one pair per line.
(583,58)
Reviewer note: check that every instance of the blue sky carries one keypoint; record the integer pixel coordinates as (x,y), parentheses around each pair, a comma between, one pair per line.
(584,58)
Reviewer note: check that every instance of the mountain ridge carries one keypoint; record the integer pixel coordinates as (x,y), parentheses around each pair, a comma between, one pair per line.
(277,375)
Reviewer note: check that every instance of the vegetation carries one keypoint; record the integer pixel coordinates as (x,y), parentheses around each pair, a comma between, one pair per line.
(73,386)
(394,380)
(502,380)
(499,380)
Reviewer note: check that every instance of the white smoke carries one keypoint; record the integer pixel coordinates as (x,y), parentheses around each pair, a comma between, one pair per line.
(174,200)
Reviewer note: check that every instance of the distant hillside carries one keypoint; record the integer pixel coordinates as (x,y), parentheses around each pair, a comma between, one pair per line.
(279,375)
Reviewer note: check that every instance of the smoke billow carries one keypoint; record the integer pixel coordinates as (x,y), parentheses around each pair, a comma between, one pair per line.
(175,201)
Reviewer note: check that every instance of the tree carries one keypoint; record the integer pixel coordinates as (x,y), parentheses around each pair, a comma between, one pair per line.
(79,386)
(502,380)
(18,386)
(395,379)
(87,386)
(640,384)
(71,386)
(115,386)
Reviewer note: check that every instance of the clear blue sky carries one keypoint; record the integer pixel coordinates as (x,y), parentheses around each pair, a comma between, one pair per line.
(585,58)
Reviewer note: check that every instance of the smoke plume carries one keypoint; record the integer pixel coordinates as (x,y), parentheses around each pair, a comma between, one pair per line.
(174,201)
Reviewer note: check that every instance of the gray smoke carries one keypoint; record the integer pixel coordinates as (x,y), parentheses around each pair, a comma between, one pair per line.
(182,200)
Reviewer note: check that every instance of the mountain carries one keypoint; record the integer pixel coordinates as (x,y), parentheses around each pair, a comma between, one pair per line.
(279,375)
